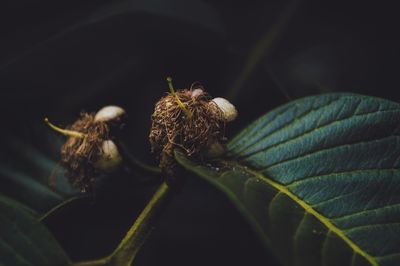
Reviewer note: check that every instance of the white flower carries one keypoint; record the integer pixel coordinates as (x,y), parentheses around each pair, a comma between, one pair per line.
(109,113)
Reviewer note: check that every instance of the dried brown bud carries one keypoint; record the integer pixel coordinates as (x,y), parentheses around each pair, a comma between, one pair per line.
(191,130)
(89,149)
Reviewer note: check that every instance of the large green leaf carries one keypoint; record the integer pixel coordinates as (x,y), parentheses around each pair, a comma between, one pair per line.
(319,180)
(24,241)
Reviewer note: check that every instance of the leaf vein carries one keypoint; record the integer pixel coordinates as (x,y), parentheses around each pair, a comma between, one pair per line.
(288,125)
(17,255)
(355,171)
(28,240)
(367,226)
(309,209)
(325,149)
(264,150)
(346,216)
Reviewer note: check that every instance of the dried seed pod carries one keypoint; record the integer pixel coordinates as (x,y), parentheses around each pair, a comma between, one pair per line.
(89,149)
(186,119)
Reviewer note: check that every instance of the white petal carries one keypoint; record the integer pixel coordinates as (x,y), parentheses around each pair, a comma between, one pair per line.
(197,92)
(110,159)
(109,113)
(229,111)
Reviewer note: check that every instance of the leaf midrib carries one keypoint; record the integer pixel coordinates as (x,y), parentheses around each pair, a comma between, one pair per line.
(325,221)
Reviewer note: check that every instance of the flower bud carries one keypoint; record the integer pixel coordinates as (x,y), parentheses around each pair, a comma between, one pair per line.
(197,93)
(109,113)
(229,111)
(109,159)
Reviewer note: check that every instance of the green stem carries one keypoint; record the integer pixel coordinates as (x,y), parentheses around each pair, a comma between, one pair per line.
(187,112)
(136,163)
(103,261)
(59,206)
(126,251)
(65,132)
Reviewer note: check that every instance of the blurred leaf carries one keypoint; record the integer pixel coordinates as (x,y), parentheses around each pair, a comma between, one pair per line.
(28,190)
(189,11)
(36,162)
(24,241)
(319,180)
(25,173)
(18,205)
(192,11)
(30,155)
(262,48)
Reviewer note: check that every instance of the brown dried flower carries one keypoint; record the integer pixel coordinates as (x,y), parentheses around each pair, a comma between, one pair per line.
(89,149)
(187,119)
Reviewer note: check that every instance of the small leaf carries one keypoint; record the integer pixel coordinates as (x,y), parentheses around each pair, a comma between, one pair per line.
(319,179)
(24,241)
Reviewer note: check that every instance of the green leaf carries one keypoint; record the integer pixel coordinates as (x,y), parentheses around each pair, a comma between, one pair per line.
(29,190)
(29,159)
(319,180)
(26,171)
(24,241)
(18,205)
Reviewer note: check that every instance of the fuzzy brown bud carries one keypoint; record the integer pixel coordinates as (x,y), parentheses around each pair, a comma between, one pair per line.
(173,128)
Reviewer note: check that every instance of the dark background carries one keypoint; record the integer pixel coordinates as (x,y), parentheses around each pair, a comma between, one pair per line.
(60,57)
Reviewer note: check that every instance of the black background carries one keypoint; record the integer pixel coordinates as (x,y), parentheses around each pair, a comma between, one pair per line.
(60,57)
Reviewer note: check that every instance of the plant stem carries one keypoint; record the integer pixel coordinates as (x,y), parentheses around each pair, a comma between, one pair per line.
(187,112)
(103,261)
(136,163)
(59,206)
(65,132)
(126,251)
